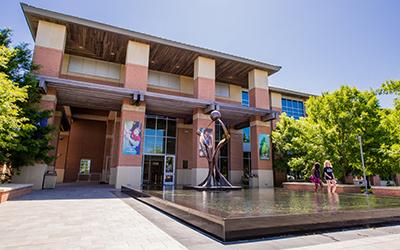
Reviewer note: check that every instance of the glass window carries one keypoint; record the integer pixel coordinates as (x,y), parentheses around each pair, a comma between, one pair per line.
(293,108)
(171,146)
(160,135)
(246,135)
(171,128)
(161,127)
(150,126)
(245,99)
(165,80)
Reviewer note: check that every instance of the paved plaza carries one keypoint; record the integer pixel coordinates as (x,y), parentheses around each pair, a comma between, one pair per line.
(98,217)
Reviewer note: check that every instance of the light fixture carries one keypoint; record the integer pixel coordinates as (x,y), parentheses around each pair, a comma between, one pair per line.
(81,47)
(177,66)
(112,53)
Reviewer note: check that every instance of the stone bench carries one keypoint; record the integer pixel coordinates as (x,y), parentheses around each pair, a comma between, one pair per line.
(308,186)
(344,188)
(12,191)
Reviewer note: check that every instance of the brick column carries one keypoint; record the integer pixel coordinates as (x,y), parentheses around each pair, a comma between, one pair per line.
(129,168)
(200,164)
(204,78)
(129,160)
(49,48)
(62,150)
(204,88)
(108,144)
(184,153)
(261,161)
(136,65)
(236,157)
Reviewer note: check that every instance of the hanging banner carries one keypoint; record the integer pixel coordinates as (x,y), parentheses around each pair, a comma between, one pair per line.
(132,138)
(264,146)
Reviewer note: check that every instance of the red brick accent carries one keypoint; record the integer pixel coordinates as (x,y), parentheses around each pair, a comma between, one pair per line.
(62,149)
(91,80)
(12,194)
(204,88)
(386,191)
(168,92)
(127,115)
(184,149)
(259,98)
(136,76)
(223,100)
(49,59)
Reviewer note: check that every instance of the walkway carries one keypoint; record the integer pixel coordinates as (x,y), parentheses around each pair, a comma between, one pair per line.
(71,217)
(92,217)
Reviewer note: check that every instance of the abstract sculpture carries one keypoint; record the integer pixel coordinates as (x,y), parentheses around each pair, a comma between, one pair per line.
(214,180)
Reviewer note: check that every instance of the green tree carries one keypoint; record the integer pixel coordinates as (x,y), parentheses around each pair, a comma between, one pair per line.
(329,132)
(24,138)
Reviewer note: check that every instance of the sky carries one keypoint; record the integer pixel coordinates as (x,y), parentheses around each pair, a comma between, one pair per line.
(320,45)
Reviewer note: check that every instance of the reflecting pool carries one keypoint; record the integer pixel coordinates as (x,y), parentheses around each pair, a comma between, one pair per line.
(266,202)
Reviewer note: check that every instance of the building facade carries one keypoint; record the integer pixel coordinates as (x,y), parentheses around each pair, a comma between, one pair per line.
(127,105)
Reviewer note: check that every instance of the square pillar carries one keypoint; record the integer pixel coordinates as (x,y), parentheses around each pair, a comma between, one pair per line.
(258,89)
(261,154)
(137,65)
(129,164)
(204,78)
(397,179)
(49,48)
(199,164)
(236,157)
(108,146)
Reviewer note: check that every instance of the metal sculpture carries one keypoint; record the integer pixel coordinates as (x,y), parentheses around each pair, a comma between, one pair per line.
(215,179)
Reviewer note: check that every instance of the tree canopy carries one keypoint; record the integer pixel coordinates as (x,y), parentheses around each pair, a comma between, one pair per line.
(24,138)
(330,130)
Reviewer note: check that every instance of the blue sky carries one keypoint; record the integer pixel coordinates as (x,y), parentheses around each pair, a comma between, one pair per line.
(320,45)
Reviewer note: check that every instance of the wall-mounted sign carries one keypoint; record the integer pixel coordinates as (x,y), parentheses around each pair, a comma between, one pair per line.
(132,138)
(264,146)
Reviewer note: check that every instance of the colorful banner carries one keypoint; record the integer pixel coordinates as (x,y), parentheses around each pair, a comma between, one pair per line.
(132,138)
(264,146)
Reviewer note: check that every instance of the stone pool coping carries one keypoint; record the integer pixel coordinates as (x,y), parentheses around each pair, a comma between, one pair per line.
(344,188)
(250,227)
(10,191)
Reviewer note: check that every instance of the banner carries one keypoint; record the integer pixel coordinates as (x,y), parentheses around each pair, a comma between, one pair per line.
(264,146)
(132,138)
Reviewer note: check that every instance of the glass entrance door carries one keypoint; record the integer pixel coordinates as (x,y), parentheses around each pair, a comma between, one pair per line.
(169,170)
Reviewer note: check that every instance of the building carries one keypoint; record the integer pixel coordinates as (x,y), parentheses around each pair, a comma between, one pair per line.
(127,105)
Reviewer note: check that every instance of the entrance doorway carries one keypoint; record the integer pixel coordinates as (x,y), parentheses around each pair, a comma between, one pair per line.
(159,170)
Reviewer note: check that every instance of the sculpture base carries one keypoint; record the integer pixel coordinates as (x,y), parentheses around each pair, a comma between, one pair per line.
(215,188)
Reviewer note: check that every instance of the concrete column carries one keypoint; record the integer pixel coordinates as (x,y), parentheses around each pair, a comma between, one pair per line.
(204,78)
(200,164)
(258,89)
(136,66)
(236,157)
(114,154)
(49,47)
(129,168)
(261,168)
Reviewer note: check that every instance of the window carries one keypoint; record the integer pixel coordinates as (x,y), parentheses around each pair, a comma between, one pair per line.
(87,66)
(293,108)
(224,155)
(222,89)
(160,135)
(245,99)
(164,80)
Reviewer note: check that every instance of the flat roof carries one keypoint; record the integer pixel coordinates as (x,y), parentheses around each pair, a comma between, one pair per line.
(289,91)
(223,60)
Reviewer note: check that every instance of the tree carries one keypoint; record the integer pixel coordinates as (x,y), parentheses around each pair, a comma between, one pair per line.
(24,137)
(329,132)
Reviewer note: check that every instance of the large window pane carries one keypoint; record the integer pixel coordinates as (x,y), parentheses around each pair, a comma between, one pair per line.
(159,145)
(149,144)
(171,146)
(171,128)
(161,127)
(150,127)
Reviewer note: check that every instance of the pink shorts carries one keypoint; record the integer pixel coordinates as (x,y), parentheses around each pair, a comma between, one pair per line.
(315,180)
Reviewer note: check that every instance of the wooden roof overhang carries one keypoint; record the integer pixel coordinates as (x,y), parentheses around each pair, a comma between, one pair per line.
(109,43)
(103,97)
